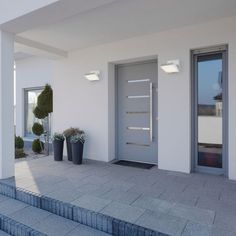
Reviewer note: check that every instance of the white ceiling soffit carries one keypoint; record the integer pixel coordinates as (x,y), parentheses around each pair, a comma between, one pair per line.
(128,18)
(21,56)
(34,51)
(51,13)
(40,46)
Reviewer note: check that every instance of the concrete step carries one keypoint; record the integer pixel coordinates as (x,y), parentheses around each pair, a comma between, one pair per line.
(61,211)
(39,221)
(9,226)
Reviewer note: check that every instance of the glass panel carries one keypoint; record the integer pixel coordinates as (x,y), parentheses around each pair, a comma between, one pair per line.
(31,102)
(210,110)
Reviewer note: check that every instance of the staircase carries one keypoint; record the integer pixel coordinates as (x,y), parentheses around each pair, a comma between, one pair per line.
(30,214)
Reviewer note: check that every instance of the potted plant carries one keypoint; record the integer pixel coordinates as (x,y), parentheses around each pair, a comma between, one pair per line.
(77,147)
(58,144)
(19,147)
(68,133)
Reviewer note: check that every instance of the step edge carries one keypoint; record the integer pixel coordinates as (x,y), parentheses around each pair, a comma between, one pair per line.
(15,228)
(96,220)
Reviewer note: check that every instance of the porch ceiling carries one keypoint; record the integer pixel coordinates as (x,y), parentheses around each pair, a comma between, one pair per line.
(123,19)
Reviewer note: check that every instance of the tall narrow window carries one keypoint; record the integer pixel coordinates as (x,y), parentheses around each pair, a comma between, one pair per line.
(31,97)
(210,110)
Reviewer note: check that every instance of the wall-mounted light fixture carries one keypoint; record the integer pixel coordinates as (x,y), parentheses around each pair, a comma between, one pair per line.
(172,66)
(93,76)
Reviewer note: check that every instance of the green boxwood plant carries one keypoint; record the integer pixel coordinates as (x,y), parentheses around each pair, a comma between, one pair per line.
(37,146)
(19,142)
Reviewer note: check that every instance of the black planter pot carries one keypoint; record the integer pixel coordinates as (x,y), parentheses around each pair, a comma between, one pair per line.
(58,150)
(68,147)
(77,152)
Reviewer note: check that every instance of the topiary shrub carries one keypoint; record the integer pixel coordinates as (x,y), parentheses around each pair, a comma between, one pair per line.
(37,129)
(39,113)
(19,142)
(37,146)
(45,102)
(42,111)
(19,153)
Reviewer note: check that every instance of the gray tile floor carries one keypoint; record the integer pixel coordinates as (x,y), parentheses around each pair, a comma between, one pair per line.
(173,203)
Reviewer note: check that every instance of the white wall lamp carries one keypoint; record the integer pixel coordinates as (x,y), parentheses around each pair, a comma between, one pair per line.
(171,67)
(93,76)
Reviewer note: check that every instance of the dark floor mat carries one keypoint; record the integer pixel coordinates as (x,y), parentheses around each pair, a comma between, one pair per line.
(135,164)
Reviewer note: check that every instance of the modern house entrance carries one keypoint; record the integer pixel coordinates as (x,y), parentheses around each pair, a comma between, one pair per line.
(210,110)
(137,111)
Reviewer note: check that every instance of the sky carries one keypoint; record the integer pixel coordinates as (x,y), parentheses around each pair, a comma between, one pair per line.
(208,77)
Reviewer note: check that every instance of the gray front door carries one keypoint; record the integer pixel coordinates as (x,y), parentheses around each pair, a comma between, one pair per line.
(137,112)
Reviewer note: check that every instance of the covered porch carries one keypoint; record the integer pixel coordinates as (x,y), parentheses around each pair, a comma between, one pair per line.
(94,36)
(67,41)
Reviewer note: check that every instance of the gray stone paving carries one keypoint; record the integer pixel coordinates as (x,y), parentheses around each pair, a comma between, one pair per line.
(92,203)
(43,221)
(170,202)
(123,211)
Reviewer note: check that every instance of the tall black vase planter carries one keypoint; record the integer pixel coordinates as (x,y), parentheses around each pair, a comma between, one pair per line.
(58,149)
(77,152)
(68,147)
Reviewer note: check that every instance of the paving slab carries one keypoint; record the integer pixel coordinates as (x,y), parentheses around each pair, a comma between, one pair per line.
(123,211)
(11,206)
(65,195)
(120,196)
(149,191)
(55,225)
(89,188)
(91,203)
(85,231)
(216,231)
(153,204)
(195,214)
(120,184)
(226,221)
(195,229)
(164,223)
(42,188)
(217,205)
(30,216)
(186,198)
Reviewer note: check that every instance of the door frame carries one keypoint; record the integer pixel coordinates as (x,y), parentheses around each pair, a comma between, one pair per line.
(194,109)
(127,63)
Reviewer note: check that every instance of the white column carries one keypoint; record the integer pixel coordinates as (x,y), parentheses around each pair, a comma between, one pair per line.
(6,105)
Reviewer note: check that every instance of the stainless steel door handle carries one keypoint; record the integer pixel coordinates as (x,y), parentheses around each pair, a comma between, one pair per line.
(151,112)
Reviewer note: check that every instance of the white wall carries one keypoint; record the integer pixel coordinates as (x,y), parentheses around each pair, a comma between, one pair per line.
(30,73)
(78,102)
